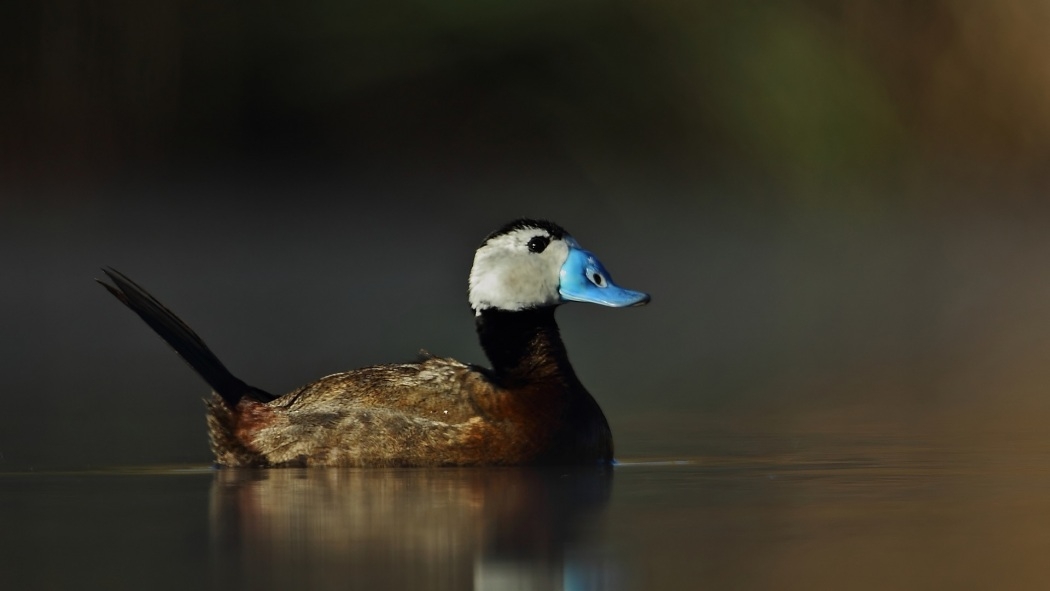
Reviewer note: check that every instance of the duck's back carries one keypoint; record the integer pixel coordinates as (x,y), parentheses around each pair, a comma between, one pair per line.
(434,388)
(404,414)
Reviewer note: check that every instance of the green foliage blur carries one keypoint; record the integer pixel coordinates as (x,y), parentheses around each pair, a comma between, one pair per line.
(861,101)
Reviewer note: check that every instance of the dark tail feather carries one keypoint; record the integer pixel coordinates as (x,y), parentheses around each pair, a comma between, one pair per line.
(186,343)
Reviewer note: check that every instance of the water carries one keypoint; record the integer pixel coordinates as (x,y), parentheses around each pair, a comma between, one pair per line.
(792,511)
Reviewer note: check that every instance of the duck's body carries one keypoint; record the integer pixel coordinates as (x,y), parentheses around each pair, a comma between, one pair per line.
(434,412)
(529,408)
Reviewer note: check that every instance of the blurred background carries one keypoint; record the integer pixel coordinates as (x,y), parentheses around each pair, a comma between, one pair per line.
(837,206)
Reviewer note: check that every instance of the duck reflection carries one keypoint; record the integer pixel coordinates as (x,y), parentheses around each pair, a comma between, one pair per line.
(505,528)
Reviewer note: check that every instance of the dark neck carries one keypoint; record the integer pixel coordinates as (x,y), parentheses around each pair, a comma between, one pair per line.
(525,346)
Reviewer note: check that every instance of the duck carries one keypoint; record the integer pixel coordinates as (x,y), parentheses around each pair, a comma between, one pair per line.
(528,408)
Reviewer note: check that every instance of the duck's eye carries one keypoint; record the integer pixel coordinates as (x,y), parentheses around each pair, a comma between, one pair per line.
(538,243)
(596,278)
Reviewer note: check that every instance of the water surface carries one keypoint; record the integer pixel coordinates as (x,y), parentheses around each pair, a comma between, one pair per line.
(858,511)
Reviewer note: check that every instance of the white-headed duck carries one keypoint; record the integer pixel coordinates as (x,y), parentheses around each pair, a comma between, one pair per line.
(529,408)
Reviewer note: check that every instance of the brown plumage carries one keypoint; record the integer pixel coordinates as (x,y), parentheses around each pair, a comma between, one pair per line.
(530,408)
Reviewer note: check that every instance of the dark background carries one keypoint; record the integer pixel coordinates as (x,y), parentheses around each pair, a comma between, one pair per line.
(837,206)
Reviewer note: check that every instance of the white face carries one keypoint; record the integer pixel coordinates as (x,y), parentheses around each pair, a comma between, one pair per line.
(507,275)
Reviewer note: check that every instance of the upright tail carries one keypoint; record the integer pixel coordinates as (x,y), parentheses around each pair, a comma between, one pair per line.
(180,337)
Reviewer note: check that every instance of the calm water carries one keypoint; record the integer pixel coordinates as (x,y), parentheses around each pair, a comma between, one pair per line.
(784,512)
